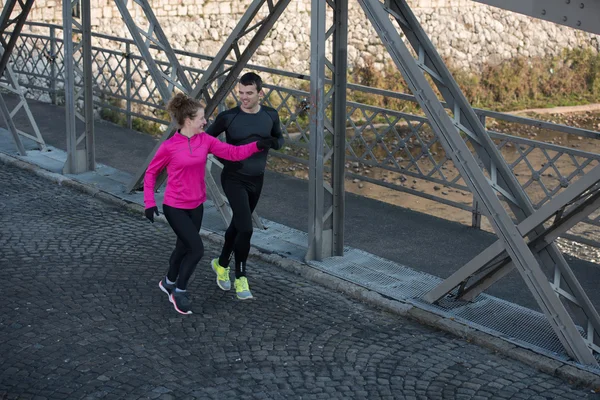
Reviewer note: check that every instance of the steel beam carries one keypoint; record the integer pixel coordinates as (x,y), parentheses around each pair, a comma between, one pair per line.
(216,74)
(78,159)
(144,37)
(11,126)
(569,207)
(339,116)
(579,14)
(500,175)
(14,87)
(7,21)
(154,35)
(316,196)
(230,49)
(326,200)
(448,132)
(573,290)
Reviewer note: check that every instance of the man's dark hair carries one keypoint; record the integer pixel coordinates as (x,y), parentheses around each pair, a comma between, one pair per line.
(251,78)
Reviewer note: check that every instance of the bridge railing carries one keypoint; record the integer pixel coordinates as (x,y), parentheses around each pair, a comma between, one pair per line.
(396,151)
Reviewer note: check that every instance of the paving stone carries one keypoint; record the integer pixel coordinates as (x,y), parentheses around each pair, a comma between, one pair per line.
(82,317)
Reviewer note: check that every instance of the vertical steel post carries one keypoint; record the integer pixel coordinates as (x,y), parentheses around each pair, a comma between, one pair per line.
(340,63)
(316,204)
(326,222)
(71,163)
(78,159)
(476,210)
(52,60)
(128,79)
(88,83)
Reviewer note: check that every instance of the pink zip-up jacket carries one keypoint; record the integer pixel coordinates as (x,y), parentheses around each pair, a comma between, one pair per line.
(185,160)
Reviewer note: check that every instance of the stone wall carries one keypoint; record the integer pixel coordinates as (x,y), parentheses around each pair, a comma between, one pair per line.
(466,33)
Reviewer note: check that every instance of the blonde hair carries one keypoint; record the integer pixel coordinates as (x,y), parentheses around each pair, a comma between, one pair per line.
(182,106)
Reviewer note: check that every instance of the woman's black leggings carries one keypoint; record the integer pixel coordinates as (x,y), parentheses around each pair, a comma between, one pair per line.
(242,192)
(189,248)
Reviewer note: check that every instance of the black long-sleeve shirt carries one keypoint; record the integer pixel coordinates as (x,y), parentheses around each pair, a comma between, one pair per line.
(241,127)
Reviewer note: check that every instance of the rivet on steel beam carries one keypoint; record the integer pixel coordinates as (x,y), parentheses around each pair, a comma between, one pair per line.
(581,5)
(543,12)
(568,1)
(565,18)
(578,23)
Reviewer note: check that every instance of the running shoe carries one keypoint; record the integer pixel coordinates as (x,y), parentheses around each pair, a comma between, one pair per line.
(242,289)
(181,302)
(165,287)
(222,275)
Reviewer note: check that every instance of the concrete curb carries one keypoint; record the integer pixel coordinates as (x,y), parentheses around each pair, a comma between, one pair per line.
(566,371)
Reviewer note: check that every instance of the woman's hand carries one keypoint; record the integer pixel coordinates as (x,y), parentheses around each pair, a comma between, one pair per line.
(150,213)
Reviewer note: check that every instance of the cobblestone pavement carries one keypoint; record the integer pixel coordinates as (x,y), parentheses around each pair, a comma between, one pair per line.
(82,317)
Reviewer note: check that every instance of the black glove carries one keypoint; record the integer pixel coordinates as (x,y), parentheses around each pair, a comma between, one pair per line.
(150,213)
(265,144)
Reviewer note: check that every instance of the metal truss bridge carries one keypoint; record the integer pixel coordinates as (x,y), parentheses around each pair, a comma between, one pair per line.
(526,230)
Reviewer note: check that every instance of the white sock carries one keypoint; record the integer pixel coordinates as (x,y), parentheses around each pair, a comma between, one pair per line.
(179,290)
(168,281)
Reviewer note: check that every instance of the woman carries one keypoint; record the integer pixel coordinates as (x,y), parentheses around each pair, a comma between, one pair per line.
(184,156)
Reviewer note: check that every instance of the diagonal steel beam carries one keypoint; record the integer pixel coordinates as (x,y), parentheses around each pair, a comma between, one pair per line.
(14,87)
(539,243)
(448,132)
(7,21)
(501,177)
(230,49)
(582,198)
(11,126)
(154,35)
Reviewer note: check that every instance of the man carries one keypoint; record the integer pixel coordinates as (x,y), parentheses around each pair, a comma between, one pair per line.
(242,181)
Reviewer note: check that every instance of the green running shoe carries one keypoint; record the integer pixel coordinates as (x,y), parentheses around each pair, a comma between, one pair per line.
(242,289)
(222,275)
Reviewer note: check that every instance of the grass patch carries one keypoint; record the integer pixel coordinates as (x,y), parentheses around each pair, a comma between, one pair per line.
(571,78)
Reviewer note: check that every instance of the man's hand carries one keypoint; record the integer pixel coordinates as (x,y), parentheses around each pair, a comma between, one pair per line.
(150,213)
